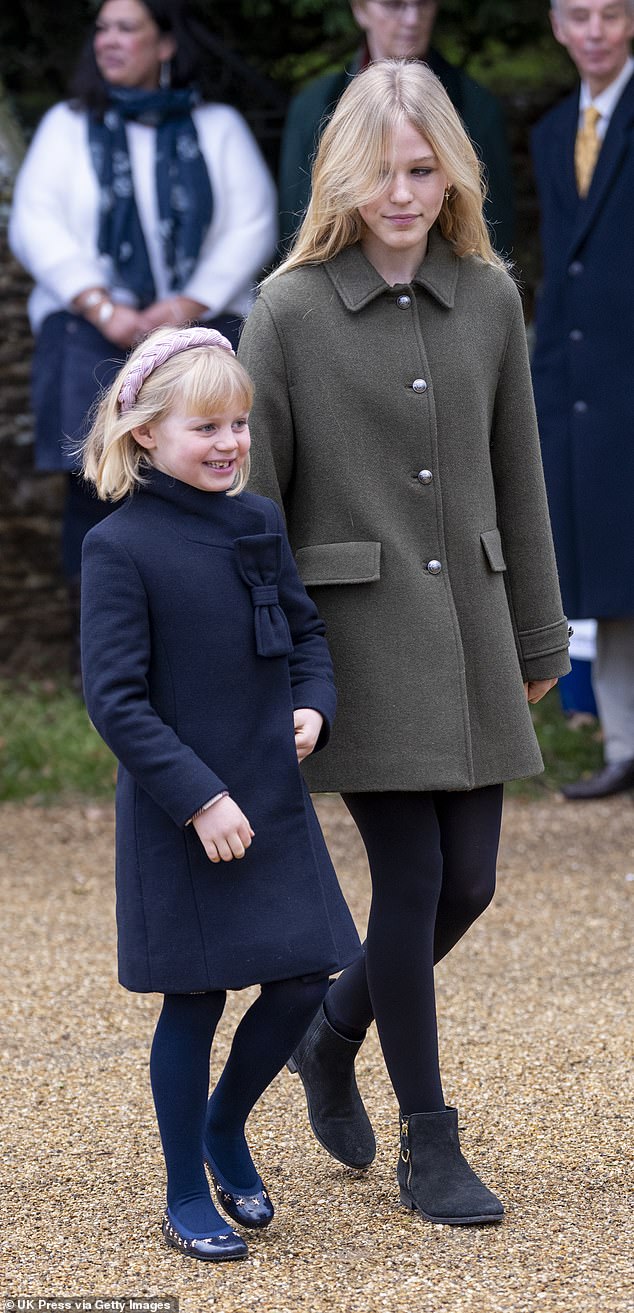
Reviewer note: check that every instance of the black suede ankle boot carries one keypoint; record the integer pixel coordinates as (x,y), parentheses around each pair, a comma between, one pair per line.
(325,1063)
(435,1178)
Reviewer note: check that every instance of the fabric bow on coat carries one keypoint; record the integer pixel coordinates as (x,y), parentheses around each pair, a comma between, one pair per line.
(259,560)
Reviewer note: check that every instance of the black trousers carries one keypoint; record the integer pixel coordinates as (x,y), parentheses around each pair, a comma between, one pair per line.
(432,860)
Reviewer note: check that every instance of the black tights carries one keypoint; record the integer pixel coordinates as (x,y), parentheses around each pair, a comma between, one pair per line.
(432,862)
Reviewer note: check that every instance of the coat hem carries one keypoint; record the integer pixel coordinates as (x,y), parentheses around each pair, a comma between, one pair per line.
(266,978)
(368,785)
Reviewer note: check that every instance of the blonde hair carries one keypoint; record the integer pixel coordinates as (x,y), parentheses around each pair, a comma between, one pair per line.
(355,150)
(203,380)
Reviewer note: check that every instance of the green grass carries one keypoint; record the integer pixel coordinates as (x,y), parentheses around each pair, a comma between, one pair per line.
(568,753)
(49,750)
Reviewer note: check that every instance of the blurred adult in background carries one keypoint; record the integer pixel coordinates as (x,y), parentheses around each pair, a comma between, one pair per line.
(140,202)
(583,152)
(397,29)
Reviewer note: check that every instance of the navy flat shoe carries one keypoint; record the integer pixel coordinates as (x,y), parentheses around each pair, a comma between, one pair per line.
(221,1248)
(251,1208)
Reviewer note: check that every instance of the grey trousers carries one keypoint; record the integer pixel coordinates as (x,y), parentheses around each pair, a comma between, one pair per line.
(613,683)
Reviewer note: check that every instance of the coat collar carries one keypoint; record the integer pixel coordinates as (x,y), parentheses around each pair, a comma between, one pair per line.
(208,516)
(358,282)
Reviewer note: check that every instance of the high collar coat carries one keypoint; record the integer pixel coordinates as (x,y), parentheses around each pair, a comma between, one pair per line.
(198,642)
(396,426)
(583,360)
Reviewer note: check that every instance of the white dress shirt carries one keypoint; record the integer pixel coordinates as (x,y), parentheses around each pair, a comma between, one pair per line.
(605,103)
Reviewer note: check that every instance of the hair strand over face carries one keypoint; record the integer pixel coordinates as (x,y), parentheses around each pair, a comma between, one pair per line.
(353,163)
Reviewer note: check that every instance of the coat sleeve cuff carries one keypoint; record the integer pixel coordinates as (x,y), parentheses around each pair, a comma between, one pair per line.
(544,651)
(183,811)
(71,277)
(321,696)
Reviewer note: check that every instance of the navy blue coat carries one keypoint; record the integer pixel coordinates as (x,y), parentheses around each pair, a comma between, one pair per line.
(198,642)
(583,364)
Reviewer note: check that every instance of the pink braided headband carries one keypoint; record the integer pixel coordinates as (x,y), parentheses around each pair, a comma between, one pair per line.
(157,354)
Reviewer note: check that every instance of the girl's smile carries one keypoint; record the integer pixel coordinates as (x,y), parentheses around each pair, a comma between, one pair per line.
(204,451)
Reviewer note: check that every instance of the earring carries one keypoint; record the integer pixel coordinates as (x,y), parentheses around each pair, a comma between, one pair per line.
(447,193)
(165,74)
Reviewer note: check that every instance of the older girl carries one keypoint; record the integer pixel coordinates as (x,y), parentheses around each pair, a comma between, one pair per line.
(395,424)
(207,673)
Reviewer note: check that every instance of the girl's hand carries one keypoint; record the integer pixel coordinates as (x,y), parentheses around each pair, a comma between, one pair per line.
(224,831)
(536,689)
(308,723)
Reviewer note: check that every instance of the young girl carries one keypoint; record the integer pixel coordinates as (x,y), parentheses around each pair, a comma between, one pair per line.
(207,673)
(395,422)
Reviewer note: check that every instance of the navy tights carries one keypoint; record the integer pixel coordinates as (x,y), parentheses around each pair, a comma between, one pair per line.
(179,1072)
(432,863)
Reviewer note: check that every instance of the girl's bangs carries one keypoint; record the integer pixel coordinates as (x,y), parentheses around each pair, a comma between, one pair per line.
(214,382)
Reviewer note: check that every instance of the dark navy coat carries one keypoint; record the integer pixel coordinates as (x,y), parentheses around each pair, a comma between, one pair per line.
(583,365)
(198,642)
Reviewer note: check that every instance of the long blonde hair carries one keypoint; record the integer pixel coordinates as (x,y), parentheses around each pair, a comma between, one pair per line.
(355,150)
(203,380)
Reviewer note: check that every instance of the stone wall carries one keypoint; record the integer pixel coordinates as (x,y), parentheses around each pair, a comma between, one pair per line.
(34,630)
(33,622)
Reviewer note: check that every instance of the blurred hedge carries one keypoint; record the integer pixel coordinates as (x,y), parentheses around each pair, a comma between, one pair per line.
(287,41)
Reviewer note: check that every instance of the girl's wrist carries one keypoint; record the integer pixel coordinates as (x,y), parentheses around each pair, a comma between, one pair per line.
(206,805)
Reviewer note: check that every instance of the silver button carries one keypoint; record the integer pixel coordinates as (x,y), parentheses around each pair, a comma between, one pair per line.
(419,385)
(580,407)
(576,335)
(424,476)
(575,268)
(434,567)
(403,301)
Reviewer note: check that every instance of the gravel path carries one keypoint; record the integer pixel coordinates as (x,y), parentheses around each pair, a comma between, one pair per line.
(534,1038)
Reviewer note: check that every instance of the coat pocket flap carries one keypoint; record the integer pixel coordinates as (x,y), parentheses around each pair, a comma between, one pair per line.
(339,563)
(492,544)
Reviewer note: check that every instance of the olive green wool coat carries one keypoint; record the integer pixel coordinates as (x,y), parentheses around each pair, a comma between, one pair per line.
(396,427)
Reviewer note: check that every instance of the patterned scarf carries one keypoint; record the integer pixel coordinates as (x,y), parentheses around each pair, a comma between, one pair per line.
(184,196)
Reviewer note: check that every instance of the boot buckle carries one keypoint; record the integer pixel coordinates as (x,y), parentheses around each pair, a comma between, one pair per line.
(404,1136)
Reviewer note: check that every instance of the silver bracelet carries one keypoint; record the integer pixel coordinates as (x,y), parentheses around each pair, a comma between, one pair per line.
(206,805)
(91,299)
(105,312)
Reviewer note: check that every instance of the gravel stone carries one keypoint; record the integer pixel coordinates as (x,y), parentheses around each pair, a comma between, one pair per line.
(535,1033)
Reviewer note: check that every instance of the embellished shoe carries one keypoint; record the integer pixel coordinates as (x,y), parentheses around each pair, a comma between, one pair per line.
(220,1248)
(251,1208)
(435,1178)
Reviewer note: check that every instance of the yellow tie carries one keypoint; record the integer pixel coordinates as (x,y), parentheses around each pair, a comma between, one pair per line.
(587,147)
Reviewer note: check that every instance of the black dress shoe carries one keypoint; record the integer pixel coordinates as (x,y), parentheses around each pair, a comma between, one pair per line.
(616,777)
(221,1248)
(247,1207)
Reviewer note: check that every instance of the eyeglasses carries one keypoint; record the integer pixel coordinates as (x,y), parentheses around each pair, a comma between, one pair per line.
(399,6)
